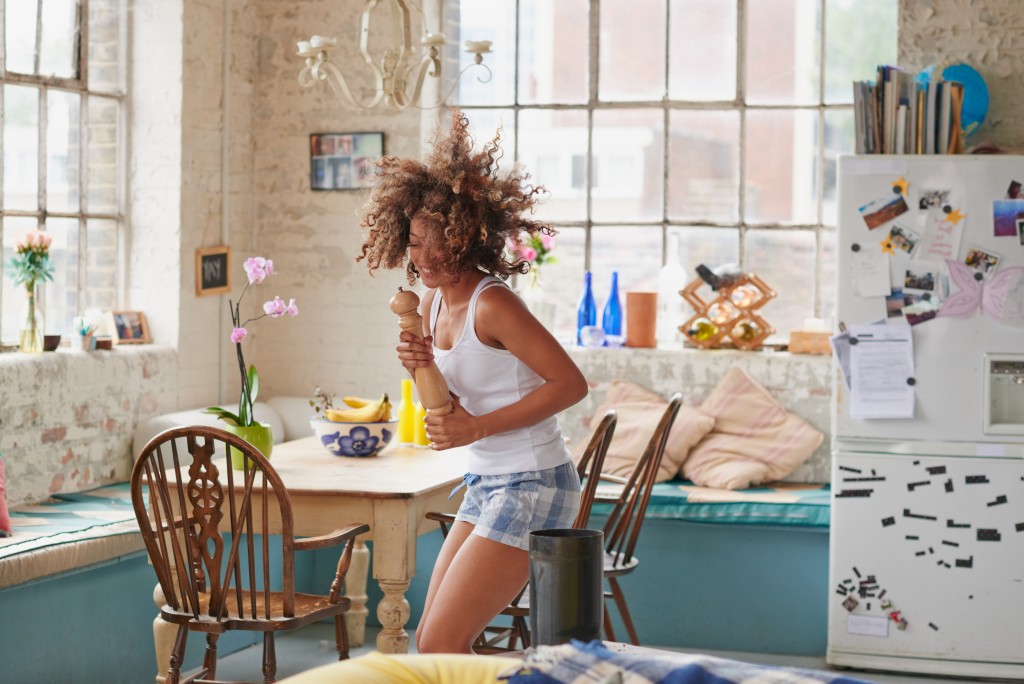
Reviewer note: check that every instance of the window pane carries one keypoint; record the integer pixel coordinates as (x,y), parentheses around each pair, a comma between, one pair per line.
(20,35)
(839,139)
(484,123)
(102,136)
(21,147)
(493,21)
(13,303)
(101,265)
(781,168)
(702,50)
(553,51)
(61,300)
(562,281)
(60,36)
(704,162)
(632,50)
(829,275)
(858,36)
(712,247)
(553,146)
(783,49)
(105,45)
(785,261)
(634,252)
(628,159)
(63,150)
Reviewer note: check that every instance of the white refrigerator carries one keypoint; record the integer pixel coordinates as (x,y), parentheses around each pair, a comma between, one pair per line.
(927,533)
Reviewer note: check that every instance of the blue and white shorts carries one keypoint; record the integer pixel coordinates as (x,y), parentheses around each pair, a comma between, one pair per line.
(506,508)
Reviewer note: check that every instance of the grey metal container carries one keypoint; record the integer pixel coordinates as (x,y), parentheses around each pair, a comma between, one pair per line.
(566,585)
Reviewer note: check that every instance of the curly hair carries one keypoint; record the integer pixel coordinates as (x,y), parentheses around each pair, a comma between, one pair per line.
(474,213)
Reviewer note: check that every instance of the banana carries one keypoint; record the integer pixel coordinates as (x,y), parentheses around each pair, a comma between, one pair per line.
(372,412)
(357,402)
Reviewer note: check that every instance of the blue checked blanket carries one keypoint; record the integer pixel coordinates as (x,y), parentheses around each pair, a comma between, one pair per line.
(593,663)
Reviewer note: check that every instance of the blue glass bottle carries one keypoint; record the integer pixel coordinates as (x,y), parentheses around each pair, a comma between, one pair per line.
(586,313)
(611,317)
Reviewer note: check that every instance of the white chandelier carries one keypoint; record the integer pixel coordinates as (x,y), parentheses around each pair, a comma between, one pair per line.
(398,67)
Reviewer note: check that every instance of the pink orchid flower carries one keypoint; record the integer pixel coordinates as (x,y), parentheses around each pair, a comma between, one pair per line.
(238,334)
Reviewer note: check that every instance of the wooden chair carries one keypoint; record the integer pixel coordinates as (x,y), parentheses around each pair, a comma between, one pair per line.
(589,469)
(222,546)
(622,529)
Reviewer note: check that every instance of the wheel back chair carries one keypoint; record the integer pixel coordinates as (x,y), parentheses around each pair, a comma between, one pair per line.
(505,638)
(622,528)
(222,545)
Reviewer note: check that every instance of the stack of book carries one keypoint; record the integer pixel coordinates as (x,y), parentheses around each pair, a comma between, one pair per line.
(900,114)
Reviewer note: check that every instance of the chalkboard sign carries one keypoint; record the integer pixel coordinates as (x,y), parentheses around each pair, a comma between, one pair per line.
(213,270)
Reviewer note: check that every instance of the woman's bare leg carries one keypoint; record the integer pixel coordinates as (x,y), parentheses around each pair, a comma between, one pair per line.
(481,578)
(458,533)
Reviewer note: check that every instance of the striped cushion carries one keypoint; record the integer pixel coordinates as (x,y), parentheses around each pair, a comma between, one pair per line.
(755,439)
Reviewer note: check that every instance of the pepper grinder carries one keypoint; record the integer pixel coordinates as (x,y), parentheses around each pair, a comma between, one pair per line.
(430,384)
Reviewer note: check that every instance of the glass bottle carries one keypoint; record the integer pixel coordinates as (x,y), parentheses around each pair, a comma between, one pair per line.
(611,317)
(406,416)
(420,429)
(671,280)
(31,338)
(586,313)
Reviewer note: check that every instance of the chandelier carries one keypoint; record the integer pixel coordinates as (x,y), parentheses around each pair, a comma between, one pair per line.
(398,67)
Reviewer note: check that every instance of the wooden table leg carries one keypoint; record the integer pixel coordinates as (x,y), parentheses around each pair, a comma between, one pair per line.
(164,634)
(393,613)
(355,590)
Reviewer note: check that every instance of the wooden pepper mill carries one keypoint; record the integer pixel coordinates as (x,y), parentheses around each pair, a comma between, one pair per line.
(430,384)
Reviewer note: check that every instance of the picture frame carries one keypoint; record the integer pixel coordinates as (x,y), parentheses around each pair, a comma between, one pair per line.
(213,270)
(343,161)
(128,327)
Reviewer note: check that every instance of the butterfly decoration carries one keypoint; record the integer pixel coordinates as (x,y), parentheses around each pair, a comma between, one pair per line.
(974,294)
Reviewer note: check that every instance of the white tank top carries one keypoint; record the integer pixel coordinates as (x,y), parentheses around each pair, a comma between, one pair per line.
(486,379)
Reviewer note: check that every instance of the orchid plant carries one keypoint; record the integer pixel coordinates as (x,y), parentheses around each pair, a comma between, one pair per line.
(257,269)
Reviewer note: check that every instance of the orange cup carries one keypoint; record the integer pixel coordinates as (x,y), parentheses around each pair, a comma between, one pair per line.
(641,317)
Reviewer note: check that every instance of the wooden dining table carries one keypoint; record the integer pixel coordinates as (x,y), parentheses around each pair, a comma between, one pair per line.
(391,491)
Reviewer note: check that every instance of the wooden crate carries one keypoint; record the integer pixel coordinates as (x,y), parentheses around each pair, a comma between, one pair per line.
(803,342)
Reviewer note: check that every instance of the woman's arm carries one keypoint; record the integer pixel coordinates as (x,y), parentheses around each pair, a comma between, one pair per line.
(504,322)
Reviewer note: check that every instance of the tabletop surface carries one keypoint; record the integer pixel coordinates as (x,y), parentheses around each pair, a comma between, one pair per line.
(307,469)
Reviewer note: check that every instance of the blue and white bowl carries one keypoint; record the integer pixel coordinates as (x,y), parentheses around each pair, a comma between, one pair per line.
(356,440)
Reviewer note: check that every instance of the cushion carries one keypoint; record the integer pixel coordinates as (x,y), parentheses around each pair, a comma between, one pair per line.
(755,439)
(439,668)
(5,518)
(639,410)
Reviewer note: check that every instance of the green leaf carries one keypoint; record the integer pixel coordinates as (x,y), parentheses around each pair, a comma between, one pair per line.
(254,384)
(243,410)
(227,416)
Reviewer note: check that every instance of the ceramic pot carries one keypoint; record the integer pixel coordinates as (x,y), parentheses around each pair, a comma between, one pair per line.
(259,435)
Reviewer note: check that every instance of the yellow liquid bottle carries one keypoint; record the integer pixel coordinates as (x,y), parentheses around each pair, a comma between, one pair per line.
(421,427)
(406,416)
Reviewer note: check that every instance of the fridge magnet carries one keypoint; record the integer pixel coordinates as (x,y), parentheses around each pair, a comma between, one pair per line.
(1013,192)
(900,185)
(882,210)
(1005,214)
(904,239)
(980,260)
(933,199)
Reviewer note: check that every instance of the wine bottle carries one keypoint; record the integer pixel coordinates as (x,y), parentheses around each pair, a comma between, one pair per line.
(586,313)
(611,317)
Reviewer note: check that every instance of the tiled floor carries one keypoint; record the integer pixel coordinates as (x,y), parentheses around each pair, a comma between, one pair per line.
(314,646)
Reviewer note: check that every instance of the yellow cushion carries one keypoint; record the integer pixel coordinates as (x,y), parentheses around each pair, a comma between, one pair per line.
(639,411)
(409,669)
(755,439)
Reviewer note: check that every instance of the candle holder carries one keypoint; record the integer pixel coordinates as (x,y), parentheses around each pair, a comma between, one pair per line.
(730,316)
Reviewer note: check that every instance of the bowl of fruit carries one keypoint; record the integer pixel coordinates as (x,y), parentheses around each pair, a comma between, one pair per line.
(361,429)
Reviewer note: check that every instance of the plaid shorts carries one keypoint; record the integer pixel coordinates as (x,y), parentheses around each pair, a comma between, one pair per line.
(506,508)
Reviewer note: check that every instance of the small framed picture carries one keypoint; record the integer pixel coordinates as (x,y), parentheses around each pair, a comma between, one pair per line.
(903,239)
(980,260)
(213,270)
(343,161)
(919,278)
(129,327)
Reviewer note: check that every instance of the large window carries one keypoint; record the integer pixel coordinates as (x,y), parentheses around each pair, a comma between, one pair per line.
(62,73)
(716,120)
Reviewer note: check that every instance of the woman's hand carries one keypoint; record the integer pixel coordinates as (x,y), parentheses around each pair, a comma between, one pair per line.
(457,428)
(415,352)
